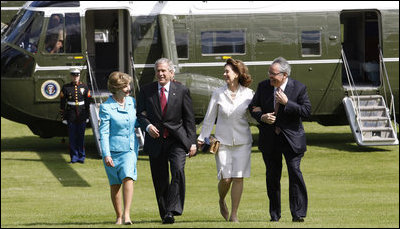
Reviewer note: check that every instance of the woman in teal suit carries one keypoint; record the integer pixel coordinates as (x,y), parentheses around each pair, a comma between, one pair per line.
(119,144)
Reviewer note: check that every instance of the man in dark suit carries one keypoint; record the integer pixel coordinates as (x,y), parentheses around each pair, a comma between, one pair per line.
(165,111)
(279,105)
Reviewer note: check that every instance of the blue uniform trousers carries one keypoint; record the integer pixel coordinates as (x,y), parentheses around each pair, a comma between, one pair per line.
(76,132)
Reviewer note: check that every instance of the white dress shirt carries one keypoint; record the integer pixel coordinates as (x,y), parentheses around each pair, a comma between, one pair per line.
(232,126)
(166,93)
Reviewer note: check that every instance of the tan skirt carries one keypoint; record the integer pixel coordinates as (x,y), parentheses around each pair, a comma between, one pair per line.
(233,161)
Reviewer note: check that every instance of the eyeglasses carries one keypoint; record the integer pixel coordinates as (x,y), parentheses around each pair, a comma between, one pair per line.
(75,74)
(274,74)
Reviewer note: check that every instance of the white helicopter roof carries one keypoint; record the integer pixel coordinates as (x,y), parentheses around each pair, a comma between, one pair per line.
(138,8)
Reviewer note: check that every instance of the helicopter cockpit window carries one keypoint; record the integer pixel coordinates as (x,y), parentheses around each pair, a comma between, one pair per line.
(223,42)
(54,42)
(73,33)
(63,34)
(25,30)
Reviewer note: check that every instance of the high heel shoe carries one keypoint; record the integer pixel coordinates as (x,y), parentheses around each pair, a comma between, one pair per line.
(128,223)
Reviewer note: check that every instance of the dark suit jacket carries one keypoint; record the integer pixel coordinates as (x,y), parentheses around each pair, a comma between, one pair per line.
(179,117)
(289,117)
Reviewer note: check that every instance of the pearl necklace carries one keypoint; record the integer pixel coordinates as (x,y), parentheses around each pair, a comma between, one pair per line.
(233,93)
(121,104)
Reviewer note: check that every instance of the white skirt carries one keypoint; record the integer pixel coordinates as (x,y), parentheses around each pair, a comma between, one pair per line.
(233,161)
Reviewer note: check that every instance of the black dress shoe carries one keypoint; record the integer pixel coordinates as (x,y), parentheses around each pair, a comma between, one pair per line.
(274,220)
(298,219)
(168,218)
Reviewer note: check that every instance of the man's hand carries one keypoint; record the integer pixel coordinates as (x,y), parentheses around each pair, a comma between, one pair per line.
(281,97)
(268,118)
(154,132)
(192,151)
(256,109)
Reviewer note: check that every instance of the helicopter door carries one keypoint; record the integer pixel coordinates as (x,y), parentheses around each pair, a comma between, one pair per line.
(361,42)
(108,46)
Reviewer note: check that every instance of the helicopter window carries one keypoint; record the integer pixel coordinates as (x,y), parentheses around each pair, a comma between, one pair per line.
(73,33)
(101,35)
(25,31)
(55,4)
(54,42)
(16,64)
(182,41)
(223,42)
(311,43)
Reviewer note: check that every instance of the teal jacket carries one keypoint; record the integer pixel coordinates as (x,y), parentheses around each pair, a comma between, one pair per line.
(117,127)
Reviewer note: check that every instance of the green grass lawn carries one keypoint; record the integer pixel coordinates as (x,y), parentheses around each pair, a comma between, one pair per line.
(348,185)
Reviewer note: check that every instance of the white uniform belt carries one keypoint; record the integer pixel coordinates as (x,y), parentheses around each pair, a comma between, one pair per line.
(74,103)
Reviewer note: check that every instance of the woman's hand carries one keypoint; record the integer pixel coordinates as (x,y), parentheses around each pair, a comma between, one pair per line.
(200,144)
(109,161)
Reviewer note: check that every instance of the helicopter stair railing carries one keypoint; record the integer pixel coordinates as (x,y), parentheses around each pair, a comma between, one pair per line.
(139,133)
(368,115)
(94,107)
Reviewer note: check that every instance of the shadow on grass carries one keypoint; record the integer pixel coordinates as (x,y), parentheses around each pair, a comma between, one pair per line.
(337,141)
(51,153)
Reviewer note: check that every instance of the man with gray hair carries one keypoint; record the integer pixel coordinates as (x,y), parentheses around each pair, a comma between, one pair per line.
(165,111)
(279,105)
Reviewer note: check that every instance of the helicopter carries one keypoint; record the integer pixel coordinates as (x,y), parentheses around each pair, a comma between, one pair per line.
(346,53)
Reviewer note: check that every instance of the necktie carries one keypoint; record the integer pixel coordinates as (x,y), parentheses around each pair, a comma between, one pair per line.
(163,103)
(276,108)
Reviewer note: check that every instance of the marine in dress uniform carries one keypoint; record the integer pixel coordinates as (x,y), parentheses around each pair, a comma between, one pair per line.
(74,109)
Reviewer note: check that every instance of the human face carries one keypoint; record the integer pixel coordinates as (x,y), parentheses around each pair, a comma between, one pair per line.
(276,77)
(230,75)
(163,74)
(75,78)
(126,91)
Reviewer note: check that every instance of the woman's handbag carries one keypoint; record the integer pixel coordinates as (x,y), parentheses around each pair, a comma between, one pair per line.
(211,145)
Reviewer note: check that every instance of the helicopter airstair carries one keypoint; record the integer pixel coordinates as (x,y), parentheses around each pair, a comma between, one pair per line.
(94,108)
(368,115)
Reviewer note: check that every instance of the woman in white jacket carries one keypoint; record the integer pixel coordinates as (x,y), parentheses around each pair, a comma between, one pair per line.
(229,105)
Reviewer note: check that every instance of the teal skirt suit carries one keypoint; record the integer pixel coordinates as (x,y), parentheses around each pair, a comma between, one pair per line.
(118,138)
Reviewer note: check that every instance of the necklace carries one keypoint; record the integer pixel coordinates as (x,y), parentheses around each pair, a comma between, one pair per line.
(233,93)
(121,104)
